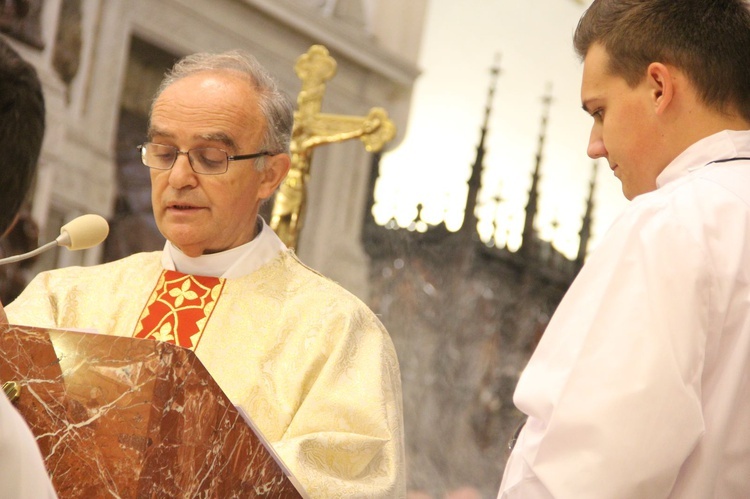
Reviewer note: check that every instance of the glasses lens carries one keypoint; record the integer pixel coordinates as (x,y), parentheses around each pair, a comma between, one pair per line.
(158,156)
(209,160)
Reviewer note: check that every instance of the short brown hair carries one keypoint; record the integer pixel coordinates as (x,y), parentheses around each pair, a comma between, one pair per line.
(709,40)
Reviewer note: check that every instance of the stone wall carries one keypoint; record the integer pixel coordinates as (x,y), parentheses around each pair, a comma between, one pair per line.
(464,319)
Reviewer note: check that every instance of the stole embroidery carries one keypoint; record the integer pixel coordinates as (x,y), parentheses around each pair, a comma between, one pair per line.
(179,308)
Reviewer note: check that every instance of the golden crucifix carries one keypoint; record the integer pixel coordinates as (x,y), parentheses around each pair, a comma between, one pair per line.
(313,128)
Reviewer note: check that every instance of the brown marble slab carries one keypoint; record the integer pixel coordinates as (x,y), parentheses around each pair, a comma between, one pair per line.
(124,417)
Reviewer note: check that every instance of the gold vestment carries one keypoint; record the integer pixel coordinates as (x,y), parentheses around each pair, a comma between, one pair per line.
(309,363)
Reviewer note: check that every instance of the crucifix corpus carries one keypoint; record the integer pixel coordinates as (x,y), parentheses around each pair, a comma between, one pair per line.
(313,128)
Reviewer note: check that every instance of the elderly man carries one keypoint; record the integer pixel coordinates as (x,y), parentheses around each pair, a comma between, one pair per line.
(640,387)
(22,472)
(310,364)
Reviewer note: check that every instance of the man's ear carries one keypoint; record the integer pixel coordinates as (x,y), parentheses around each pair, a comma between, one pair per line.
(273,174)
(660,79)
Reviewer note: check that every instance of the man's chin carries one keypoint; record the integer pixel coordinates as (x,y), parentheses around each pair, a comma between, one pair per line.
(191,251)
(631,193)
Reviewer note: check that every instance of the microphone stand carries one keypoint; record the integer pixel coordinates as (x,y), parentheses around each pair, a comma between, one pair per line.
(80,233)
(24,256)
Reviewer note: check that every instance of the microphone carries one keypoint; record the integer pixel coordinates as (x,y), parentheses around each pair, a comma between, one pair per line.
(80,233)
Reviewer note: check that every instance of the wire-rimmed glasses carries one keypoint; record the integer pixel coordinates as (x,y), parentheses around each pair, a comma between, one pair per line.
(203,160)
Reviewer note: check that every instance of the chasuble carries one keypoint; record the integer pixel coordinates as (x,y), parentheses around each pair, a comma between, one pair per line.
(309,363)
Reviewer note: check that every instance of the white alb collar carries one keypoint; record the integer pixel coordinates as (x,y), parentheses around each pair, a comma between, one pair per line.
(719,146)
(232,263)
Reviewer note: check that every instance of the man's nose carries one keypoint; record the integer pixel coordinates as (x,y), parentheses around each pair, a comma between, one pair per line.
(182,174)
(596,147)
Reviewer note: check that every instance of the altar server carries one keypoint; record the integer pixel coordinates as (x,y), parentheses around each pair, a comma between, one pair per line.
(640,386)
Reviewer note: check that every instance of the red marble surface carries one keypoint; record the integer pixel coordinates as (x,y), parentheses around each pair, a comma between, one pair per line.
(125,417)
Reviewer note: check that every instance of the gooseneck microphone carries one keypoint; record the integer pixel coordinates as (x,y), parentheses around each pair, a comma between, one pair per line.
(80,233)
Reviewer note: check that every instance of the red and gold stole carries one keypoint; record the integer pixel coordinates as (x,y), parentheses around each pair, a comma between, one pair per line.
(179,308)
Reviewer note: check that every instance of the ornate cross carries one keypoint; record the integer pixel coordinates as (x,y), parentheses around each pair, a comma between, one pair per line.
(313,128)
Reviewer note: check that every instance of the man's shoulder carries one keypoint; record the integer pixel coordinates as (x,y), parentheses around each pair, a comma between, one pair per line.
(729,180)
(306,276)
(708,188)
(289,272)
(698,213)
(137,262)
(144,258)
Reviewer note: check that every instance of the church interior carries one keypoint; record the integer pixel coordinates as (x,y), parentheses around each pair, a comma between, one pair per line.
(463,310)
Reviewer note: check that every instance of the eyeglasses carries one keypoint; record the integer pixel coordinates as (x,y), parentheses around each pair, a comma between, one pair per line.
(203,160)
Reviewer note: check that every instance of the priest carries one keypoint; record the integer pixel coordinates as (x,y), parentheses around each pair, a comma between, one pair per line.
(309,363)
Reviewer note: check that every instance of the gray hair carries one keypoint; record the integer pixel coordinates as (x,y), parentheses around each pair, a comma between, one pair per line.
(275,105)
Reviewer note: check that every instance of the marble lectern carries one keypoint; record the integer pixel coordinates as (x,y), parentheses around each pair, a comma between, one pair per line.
(125,417)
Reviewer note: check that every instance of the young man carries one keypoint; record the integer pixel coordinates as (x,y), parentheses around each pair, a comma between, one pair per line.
(640,387)
(307,361)
(22,471)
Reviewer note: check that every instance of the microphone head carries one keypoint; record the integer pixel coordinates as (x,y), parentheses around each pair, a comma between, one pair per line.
(83,232)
